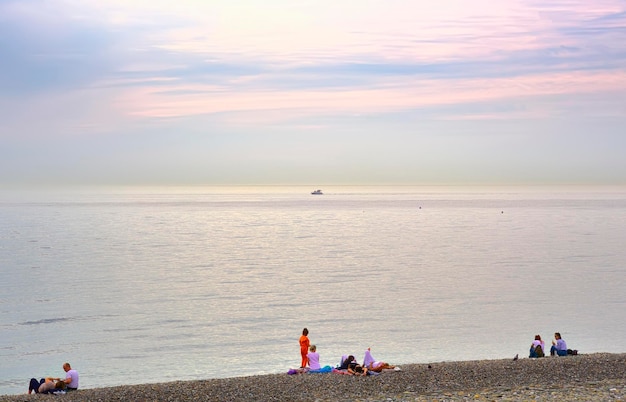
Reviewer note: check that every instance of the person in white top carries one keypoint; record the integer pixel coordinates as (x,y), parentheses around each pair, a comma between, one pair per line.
(71,379)
(314,358)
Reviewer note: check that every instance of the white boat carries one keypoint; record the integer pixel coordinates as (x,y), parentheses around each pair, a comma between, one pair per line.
(317,192)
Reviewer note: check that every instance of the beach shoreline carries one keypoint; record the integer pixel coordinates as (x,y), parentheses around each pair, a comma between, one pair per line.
(593,377)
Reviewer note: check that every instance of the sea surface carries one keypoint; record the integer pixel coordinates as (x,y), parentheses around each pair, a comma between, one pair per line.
(143,285)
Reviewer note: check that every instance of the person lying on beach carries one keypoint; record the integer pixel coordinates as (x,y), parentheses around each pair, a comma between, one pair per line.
(46,385)
(537,348)
(373,365)
(351,366)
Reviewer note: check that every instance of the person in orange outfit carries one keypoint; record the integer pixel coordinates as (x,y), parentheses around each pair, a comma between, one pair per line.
(304,348)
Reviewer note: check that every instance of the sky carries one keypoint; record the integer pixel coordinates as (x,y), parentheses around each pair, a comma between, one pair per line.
(191,92)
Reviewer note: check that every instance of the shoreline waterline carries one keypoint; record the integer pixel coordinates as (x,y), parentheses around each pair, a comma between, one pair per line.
(593,377)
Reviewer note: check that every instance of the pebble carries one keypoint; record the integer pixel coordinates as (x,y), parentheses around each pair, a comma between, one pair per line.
(591,378)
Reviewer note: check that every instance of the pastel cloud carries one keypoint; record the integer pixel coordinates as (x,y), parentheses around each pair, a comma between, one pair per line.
(90,68)
(385,97)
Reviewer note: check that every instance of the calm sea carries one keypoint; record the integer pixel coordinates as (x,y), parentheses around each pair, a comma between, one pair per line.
(149,285)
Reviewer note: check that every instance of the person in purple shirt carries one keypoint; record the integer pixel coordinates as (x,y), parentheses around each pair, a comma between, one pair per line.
(559,347)
(71,379)
(314,358)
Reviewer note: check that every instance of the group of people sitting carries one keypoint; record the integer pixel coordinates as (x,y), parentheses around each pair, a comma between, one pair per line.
(370,365)
(348,365)
(558,348)
(311,361)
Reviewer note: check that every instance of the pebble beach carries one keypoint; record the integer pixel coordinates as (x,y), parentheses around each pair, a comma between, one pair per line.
(593,377)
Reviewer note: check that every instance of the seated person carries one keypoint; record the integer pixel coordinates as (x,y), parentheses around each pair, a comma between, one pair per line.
(46,385)
(71,377)
(351,366)
(314,358)
(373,365)
(537,347)
(559,347)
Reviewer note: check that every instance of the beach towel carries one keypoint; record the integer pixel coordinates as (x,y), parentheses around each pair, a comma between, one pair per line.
(337,371)
(325,369)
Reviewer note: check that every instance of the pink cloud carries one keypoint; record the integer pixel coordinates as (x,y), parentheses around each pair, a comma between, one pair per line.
(416,31)
(390,96)
(314,33)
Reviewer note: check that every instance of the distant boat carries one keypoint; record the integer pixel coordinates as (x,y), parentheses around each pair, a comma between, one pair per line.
(317,192)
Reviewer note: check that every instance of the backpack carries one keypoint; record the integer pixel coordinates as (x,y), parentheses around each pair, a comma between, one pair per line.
(539,351)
